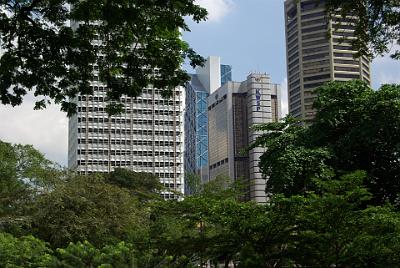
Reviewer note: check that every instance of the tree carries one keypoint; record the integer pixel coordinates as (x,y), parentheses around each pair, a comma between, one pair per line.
(334,228)
(139,42)
(376,27)
(290,163)
(355,128)
(26,251)
(144,186)
(362,129)
(84,254)
(86,208)
(24,174)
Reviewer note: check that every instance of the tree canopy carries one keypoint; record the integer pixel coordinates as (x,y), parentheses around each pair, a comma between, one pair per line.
(377,25)
(55,47)
(356,128)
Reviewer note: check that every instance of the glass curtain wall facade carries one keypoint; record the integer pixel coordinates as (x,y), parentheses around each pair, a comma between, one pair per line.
(196,131)
(226,73)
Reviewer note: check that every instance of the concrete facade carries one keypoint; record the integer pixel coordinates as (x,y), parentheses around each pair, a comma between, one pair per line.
(318,50)
(232,110)
(147,137)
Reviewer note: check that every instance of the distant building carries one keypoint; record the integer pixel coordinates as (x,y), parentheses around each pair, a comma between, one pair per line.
(226,73)
(232,110)
(205,80)
(318,50)
(147,137)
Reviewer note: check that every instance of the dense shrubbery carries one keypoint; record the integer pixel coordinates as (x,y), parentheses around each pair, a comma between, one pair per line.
(334,201)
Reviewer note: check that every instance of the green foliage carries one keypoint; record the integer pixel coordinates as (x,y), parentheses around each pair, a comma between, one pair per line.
(361,128)
(85,208)
(26,251)
(290,163)
(355,128)
(114,221)
(24,174)
(376,25)
(44,53)
(82,255)
(145,186)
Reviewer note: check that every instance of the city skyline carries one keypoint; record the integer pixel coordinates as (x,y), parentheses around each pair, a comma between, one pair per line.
(249,35)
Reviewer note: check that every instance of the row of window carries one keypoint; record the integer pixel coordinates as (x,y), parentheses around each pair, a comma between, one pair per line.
(316,63)
(126,163)
(317,77)
(343,33)
(135,101)
(343,54)
(144,91)
(343,27)
(128,111)
(127,152)
(312,4)
(346,75)
(315,28)
(312,22)
(129,131)
(347,69)
(322,48)
(294,104)
(351,62)
(316,56)
(316,70)
(127,142)
(217,102)
(293,64)
(313,15)
(128,121)
(219,163)
(316,35)
(322,41)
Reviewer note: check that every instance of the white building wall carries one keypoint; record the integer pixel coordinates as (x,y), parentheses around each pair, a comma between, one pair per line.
(210,74)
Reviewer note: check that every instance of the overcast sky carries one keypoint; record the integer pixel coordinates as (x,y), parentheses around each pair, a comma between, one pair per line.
(247,34)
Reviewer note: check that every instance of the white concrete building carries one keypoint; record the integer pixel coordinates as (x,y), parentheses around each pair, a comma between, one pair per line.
(147,137)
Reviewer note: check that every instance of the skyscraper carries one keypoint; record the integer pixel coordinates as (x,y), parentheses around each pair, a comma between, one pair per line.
(147,137)
(232,110)
(205,80)
(318,50)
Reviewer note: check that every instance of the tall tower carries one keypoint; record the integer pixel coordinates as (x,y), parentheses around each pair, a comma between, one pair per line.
(232,110)
(318,50)
(206,80)
(147,137)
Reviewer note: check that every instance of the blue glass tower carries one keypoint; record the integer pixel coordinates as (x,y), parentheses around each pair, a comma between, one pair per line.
(196,129)
(226,73)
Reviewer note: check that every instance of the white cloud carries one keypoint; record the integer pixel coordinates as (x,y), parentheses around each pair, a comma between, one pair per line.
(46,130)
(284,98)
(217,9)
(386,70)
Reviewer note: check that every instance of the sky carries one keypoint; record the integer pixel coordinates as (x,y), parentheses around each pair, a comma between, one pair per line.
(247,34)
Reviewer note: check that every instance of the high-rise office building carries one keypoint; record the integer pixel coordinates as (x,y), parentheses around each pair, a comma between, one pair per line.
(318,50)
(196,131)
(232,110)
(147,137)
(205,80)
